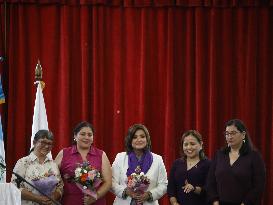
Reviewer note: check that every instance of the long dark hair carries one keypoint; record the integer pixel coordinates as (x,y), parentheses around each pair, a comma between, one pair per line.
(247,145)
(198,137)
(131,133)
(42,134)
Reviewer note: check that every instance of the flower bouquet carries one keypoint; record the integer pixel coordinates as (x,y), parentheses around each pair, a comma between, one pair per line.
(46,183)
(88,179)
(138,183)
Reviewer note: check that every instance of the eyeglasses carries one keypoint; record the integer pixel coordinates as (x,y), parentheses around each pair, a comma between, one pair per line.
(43,144)
(232,133)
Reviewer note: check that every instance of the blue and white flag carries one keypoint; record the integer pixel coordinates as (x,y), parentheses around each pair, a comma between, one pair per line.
(2,155)
(2,147)
(2,96)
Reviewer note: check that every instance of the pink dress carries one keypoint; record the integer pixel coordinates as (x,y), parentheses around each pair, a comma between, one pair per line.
(72,195)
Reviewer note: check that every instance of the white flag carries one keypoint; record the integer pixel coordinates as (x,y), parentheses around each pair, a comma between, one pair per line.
(39,115)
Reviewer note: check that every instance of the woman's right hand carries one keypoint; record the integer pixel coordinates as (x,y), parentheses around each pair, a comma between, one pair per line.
(216,203)
(43,200)
(130,193)
(29,196)
(87,200)
(173,201)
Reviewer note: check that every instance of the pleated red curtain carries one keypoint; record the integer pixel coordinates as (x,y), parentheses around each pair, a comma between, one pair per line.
(172,68)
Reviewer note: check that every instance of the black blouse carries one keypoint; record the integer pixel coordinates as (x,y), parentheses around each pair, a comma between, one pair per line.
(241,182)
(195,176)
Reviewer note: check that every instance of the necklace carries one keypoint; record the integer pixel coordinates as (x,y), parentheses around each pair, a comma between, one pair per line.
(192,163)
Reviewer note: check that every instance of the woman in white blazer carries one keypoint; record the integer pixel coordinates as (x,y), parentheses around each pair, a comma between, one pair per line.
(138,144)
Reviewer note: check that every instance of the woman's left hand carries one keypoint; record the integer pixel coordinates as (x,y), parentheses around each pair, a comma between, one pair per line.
(141,198)
(88,200)
(56,195)
(188,187)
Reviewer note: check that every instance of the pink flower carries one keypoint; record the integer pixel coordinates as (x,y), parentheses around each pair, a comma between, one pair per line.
(131,183)
(91,175)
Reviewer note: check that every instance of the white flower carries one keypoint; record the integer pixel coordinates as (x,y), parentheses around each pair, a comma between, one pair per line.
(141,173)
(78,172)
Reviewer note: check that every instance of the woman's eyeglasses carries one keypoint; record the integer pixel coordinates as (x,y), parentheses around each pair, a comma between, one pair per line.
(232,133)
(44,143)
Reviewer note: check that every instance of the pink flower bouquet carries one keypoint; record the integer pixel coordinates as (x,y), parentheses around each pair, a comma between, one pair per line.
(88,179)
(138,183)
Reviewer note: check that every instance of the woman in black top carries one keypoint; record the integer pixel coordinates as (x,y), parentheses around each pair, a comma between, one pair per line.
(188,173)
(237,173)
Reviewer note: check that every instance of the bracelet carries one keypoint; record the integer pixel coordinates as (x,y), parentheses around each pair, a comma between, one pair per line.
(59,191)
(97,196)
(150,199)
(124,195)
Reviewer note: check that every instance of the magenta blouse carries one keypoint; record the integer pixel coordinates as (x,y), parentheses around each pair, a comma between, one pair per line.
(71,157)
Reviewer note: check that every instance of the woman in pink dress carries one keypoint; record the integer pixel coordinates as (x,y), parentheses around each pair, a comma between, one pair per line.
(83,151)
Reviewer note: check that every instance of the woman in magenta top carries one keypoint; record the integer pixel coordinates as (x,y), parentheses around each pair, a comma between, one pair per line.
(83,151)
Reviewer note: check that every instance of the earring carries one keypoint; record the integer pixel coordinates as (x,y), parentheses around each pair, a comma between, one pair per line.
(75,140)
(244,141)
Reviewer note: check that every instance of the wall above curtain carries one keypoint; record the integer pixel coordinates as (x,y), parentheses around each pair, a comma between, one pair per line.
(152,3)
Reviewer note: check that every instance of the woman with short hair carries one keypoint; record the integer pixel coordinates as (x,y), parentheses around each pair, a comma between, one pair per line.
(38,167)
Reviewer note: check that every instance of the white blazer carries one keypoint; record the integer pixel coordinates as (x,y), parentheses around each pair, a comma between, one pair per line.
(157,175)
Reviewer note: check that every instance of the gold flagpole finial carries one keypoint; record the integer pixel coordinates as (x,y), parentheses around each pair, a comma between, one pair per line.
(38,72)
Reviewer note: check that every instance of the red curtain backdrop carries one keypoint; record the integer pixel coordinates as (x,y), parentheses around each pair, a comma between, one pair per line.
(185,65)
